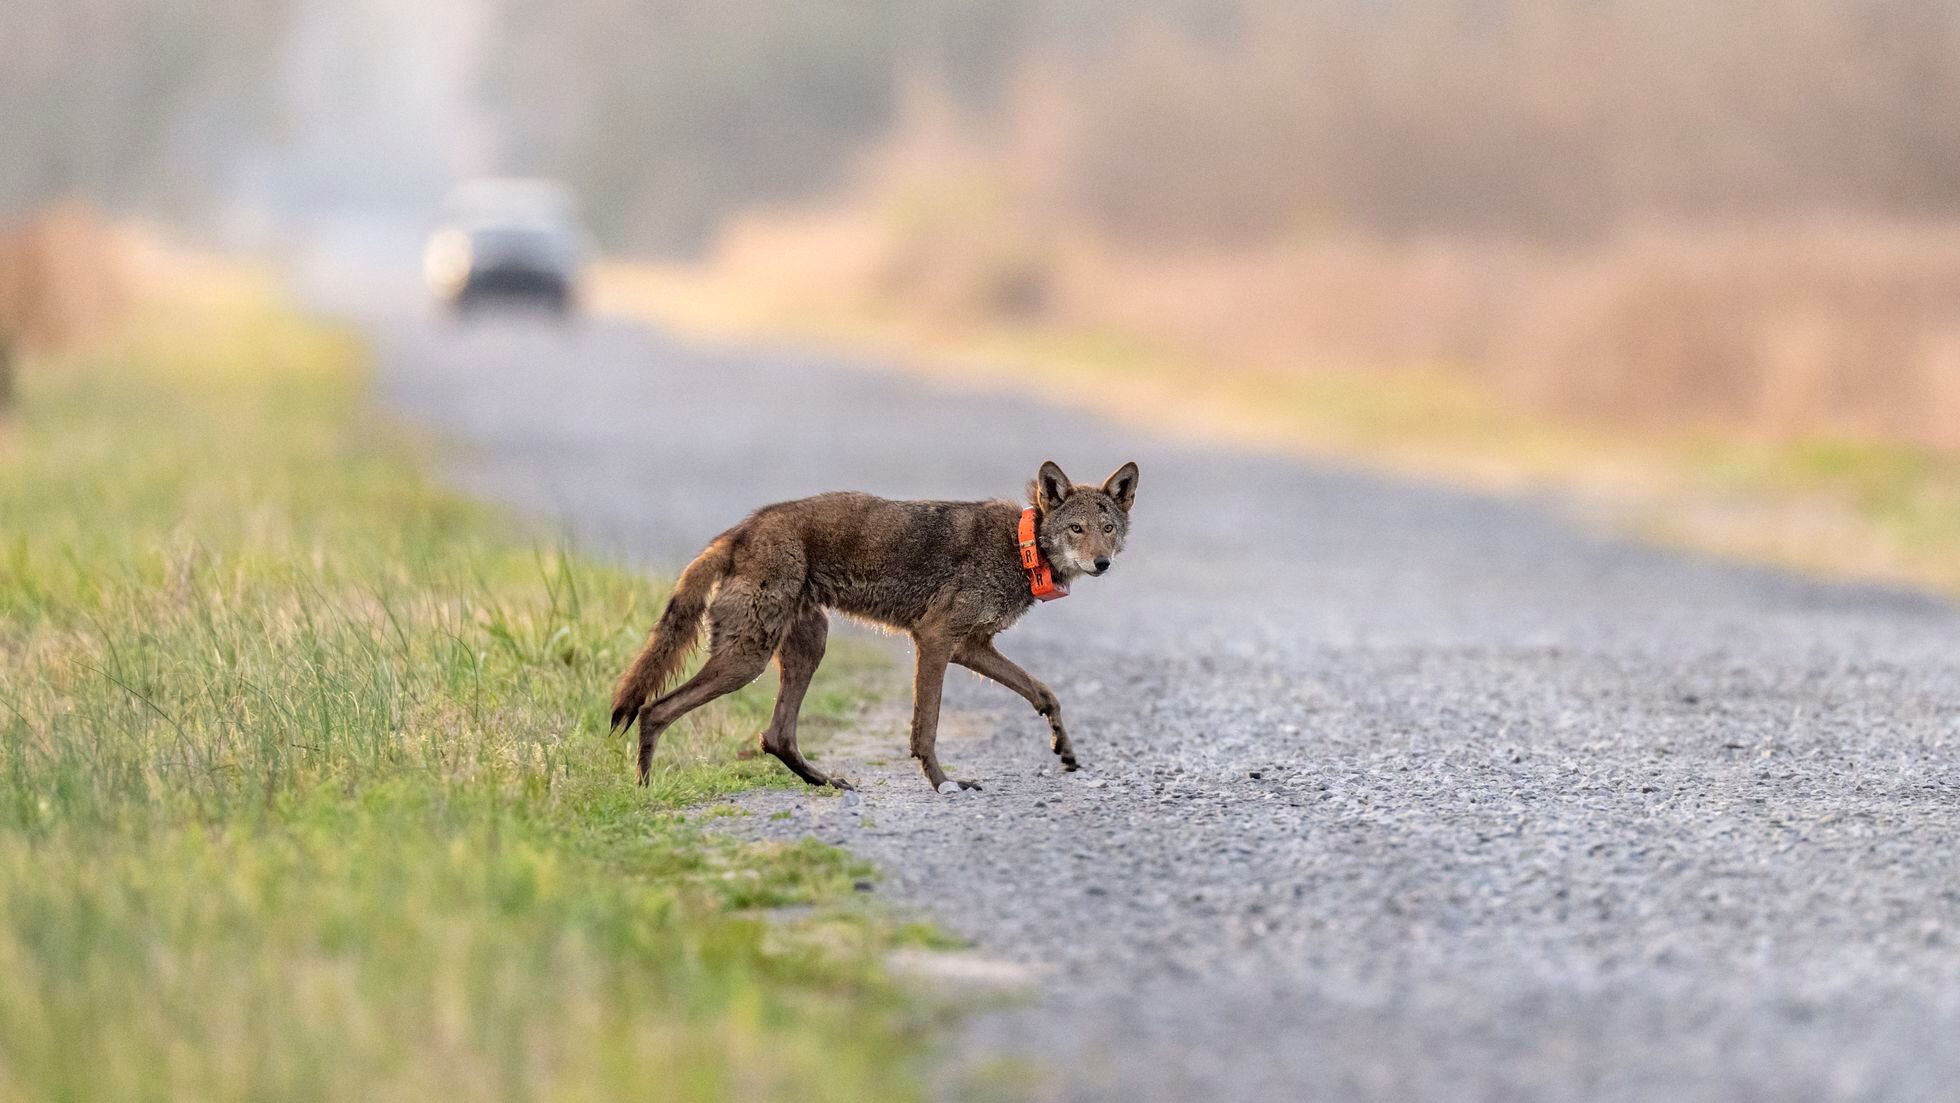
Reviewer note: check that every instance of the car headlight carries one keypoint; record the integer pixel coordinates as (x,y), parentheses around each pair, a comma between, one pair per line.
(446,264)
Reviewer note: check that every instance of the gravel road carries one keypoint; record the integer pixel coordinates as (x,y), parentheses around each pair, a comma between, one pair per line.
(1391,792)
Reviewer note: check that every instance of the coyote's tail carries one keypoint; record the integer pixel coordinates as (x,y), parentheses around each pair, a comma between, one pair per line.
(672,637)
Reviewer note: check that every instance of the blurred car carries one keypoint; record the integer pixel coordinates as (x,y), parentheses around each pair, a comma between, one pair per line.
(506,242)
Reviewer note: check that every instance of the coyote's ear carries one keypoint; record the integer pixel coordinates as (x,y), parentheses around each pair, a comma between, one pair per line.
(1050,487)
(1122,486)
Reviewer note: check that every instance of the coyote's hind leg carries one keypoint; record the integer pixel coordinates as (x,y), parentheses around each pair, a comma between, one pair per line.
(797,659)
(746,630)
(721,674)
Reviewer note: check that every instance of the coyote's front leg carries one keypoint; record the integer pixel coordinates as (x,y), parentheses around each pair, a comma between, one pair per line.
(929,677)
(983,659)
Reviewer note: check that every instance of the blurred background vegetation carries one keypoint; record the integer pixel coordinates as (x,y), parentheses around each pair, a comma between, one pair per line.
(1646,211)
(1217,122)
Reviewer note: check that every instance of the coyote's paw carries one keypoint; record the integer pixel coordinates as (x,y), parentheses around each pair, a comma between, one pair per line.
(952,785)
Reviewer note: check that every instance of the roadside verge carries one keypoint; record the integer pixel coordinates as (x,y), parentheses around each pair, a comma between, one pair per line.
(305,788)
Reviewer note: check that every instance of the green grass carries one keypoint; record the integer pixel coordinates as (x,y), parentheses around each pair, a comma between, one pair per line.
(305,791)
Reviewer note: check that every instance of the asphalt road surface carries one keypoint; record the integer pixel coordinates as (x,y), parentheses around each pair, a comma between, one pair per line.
(1391,792)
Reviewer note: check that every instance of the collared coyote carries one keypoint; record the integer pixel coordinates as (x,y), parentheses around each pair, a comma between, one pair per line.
(951,574)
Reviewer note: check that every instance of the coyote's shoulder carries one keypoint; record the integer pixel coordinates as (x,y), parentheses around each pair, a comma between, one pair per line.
(947,573)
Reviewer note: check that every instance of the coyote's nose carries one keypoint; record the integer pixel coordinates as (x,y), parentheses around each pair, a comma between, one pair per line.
(1102,563)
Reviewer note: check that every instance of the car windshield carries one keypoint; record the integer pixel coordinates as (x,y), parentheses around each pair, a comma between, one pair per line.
(518,241)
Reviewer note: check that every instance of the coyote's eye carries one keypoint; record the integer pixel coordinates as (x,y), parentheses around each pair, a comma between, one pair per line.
(1109,528)
(1076,529)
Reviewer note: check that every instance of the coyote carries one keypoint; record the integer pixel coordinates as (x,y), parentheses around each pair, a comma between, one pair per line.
(953,575)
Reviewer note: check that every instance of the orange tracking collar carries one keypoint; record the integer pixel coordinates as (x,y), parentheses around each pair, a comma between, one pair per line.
(1041,577)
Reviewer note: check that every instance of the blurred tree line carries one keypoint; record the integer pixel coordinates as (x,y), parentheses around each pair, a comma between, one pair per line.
(115,103)
(669,115)
(132,102)
(1163,119)
(1244,119)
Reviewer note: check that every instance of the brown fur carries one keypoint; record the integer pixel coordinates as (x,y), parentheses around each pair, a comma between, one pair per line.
(946,573)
